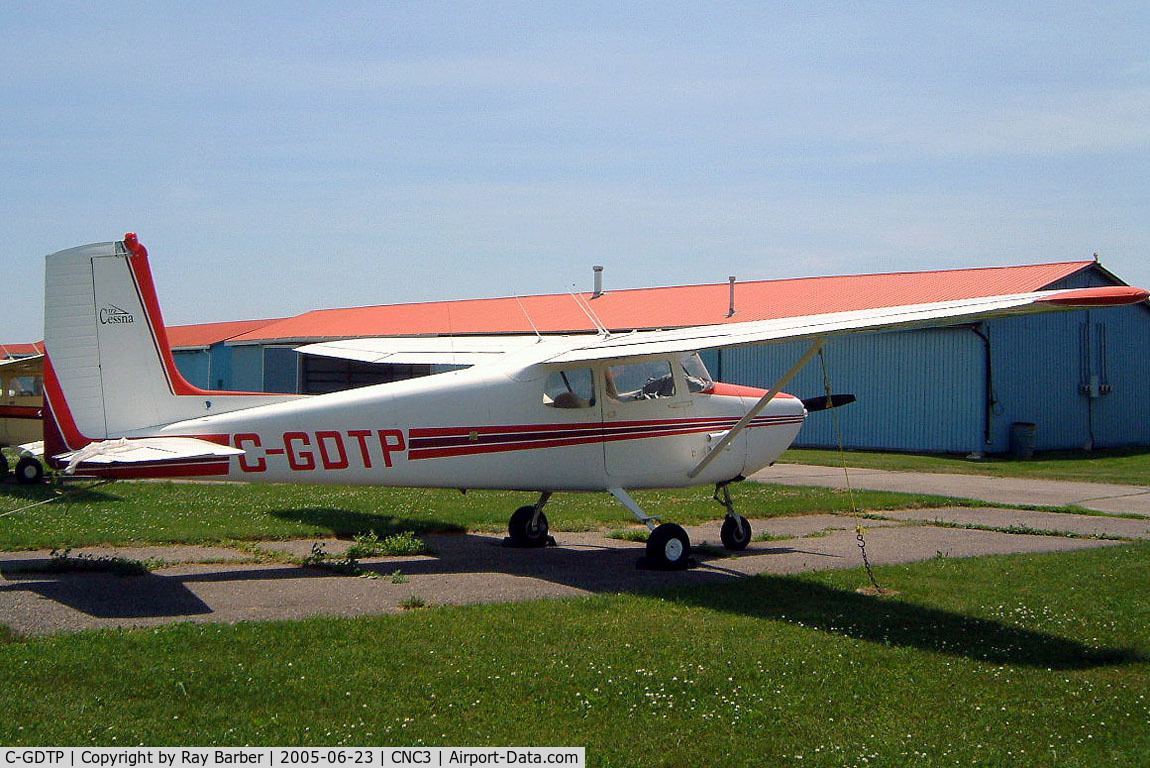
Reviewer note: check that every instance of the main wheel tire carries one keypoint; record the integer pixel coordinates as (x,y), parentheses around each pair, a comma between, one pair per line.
(3,466)
(523,533)
(736,533)
(29,471)
(668,548)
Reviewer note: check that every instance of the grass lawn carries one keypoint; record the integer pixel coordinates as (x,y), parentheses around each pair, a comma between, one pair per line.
(1125,466)
(161,513)
(1002,661)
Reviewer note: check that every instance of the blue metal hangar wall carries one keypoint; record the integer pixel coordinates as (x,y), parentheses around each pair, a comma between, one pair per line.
(1082,379)
(1072,379)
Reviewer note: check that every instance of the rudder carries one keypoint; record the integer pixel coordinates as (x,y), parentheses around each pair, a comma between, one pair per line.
(109,370)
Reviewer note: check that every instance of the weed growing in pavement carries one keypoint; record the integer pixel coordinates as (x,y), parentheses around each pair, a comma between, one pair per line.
(63,561)
(321,558)
(772,537)
(402,544)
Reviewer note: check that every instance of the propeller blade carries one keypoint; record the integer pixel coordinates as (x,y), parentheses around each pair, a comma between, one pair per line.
(823,402)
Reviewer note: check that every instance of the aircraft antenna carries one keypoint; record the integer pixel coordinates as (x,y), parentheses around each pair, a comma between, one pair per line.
(528,316)
(583,305)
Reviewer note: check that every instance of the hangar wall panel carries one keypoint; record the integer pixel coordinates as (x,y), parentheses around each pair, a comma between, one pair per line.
(248,368)
(1122,417)
(918,390)
(1080,377)
(221,368)
(281,370)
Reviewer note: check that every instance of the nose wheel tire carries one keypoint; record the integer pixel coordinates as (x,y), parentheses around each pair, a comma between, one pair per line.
(668,548)
(736,533)
(527,531)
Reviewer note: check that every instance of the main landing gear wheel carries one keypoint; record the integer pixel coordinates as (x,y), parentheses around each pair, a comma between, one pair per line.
(668,548)
(527,530)
(3,466)
(736,533)
(29,471)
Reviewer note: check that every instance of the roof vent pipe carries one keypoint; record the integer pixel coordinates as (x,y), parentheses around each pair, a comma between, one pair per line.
(731,311)
(598,281)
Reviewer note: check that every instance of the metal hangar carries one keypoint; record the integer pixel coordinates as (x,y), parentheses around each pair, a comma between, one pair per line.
(1055,381)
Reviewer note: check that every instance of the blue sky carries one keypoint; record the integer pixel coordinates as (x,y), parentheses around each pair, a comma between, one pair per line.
(280,157)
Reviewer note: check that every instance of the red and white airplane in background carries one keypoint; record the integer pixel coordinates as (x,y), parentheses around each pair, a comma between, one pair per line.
(594,412)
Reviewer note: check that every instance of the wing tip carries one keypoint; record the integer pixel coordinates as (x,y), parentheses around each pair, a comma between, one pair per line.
(1106,296)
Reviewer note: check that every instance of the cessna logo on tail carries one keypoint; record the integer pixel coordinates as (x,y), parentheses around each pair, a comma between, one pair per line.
(112,314)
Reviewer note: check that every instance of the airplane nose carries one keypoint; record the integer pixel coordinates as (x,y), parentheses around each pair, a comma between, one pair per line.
(773,431)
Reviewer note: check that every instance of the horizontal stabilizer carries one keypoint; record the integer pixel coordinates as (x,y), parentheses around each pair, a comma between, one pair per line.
(35,448)
(823,402)
(183,452)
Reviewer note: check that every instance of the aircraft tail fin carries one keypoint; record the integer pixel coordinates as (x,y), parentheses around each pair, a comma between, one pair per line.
(109,370)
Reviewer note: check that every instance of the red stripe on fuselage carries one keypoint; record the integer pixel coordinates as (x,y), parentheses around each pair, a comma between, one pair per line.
(441,442)
(19,412)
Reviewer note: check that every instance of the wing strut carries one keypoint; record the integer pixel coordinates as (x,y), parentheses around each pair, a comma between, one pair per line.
(758,407)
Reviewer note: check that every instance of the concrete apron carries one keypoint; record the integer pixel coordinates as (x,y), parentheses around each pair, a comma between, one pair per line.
(474,568)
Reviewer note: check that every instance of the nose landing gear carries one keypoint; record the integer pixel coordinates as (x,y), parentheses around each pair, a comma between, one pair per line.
(736,530)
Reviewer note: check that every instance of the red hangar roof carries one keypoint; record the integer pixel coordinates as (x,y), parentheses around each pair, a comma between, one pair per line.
(204,335)
(646,308)
(21,350)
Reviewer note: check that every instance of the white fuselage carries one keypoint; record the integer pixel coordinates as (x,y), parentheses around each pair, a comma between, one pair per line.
(492,427)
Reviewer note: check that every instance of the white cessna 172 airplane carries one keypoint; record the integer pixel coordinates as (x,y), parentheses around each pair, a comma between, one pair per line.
(594,412)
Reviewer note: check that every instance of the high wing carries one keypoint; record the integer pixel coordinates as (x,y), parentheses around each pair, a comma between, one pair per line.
(652,343)
(640,344)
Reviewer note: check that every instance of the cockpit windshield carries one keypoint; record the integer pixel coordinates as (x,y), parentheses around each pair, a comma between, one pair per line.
(698,379)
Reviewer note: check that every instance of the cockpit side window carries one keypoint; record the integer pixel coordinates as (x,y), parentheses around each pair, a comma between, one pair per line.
(640,381)
(570,388)
(696,374)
